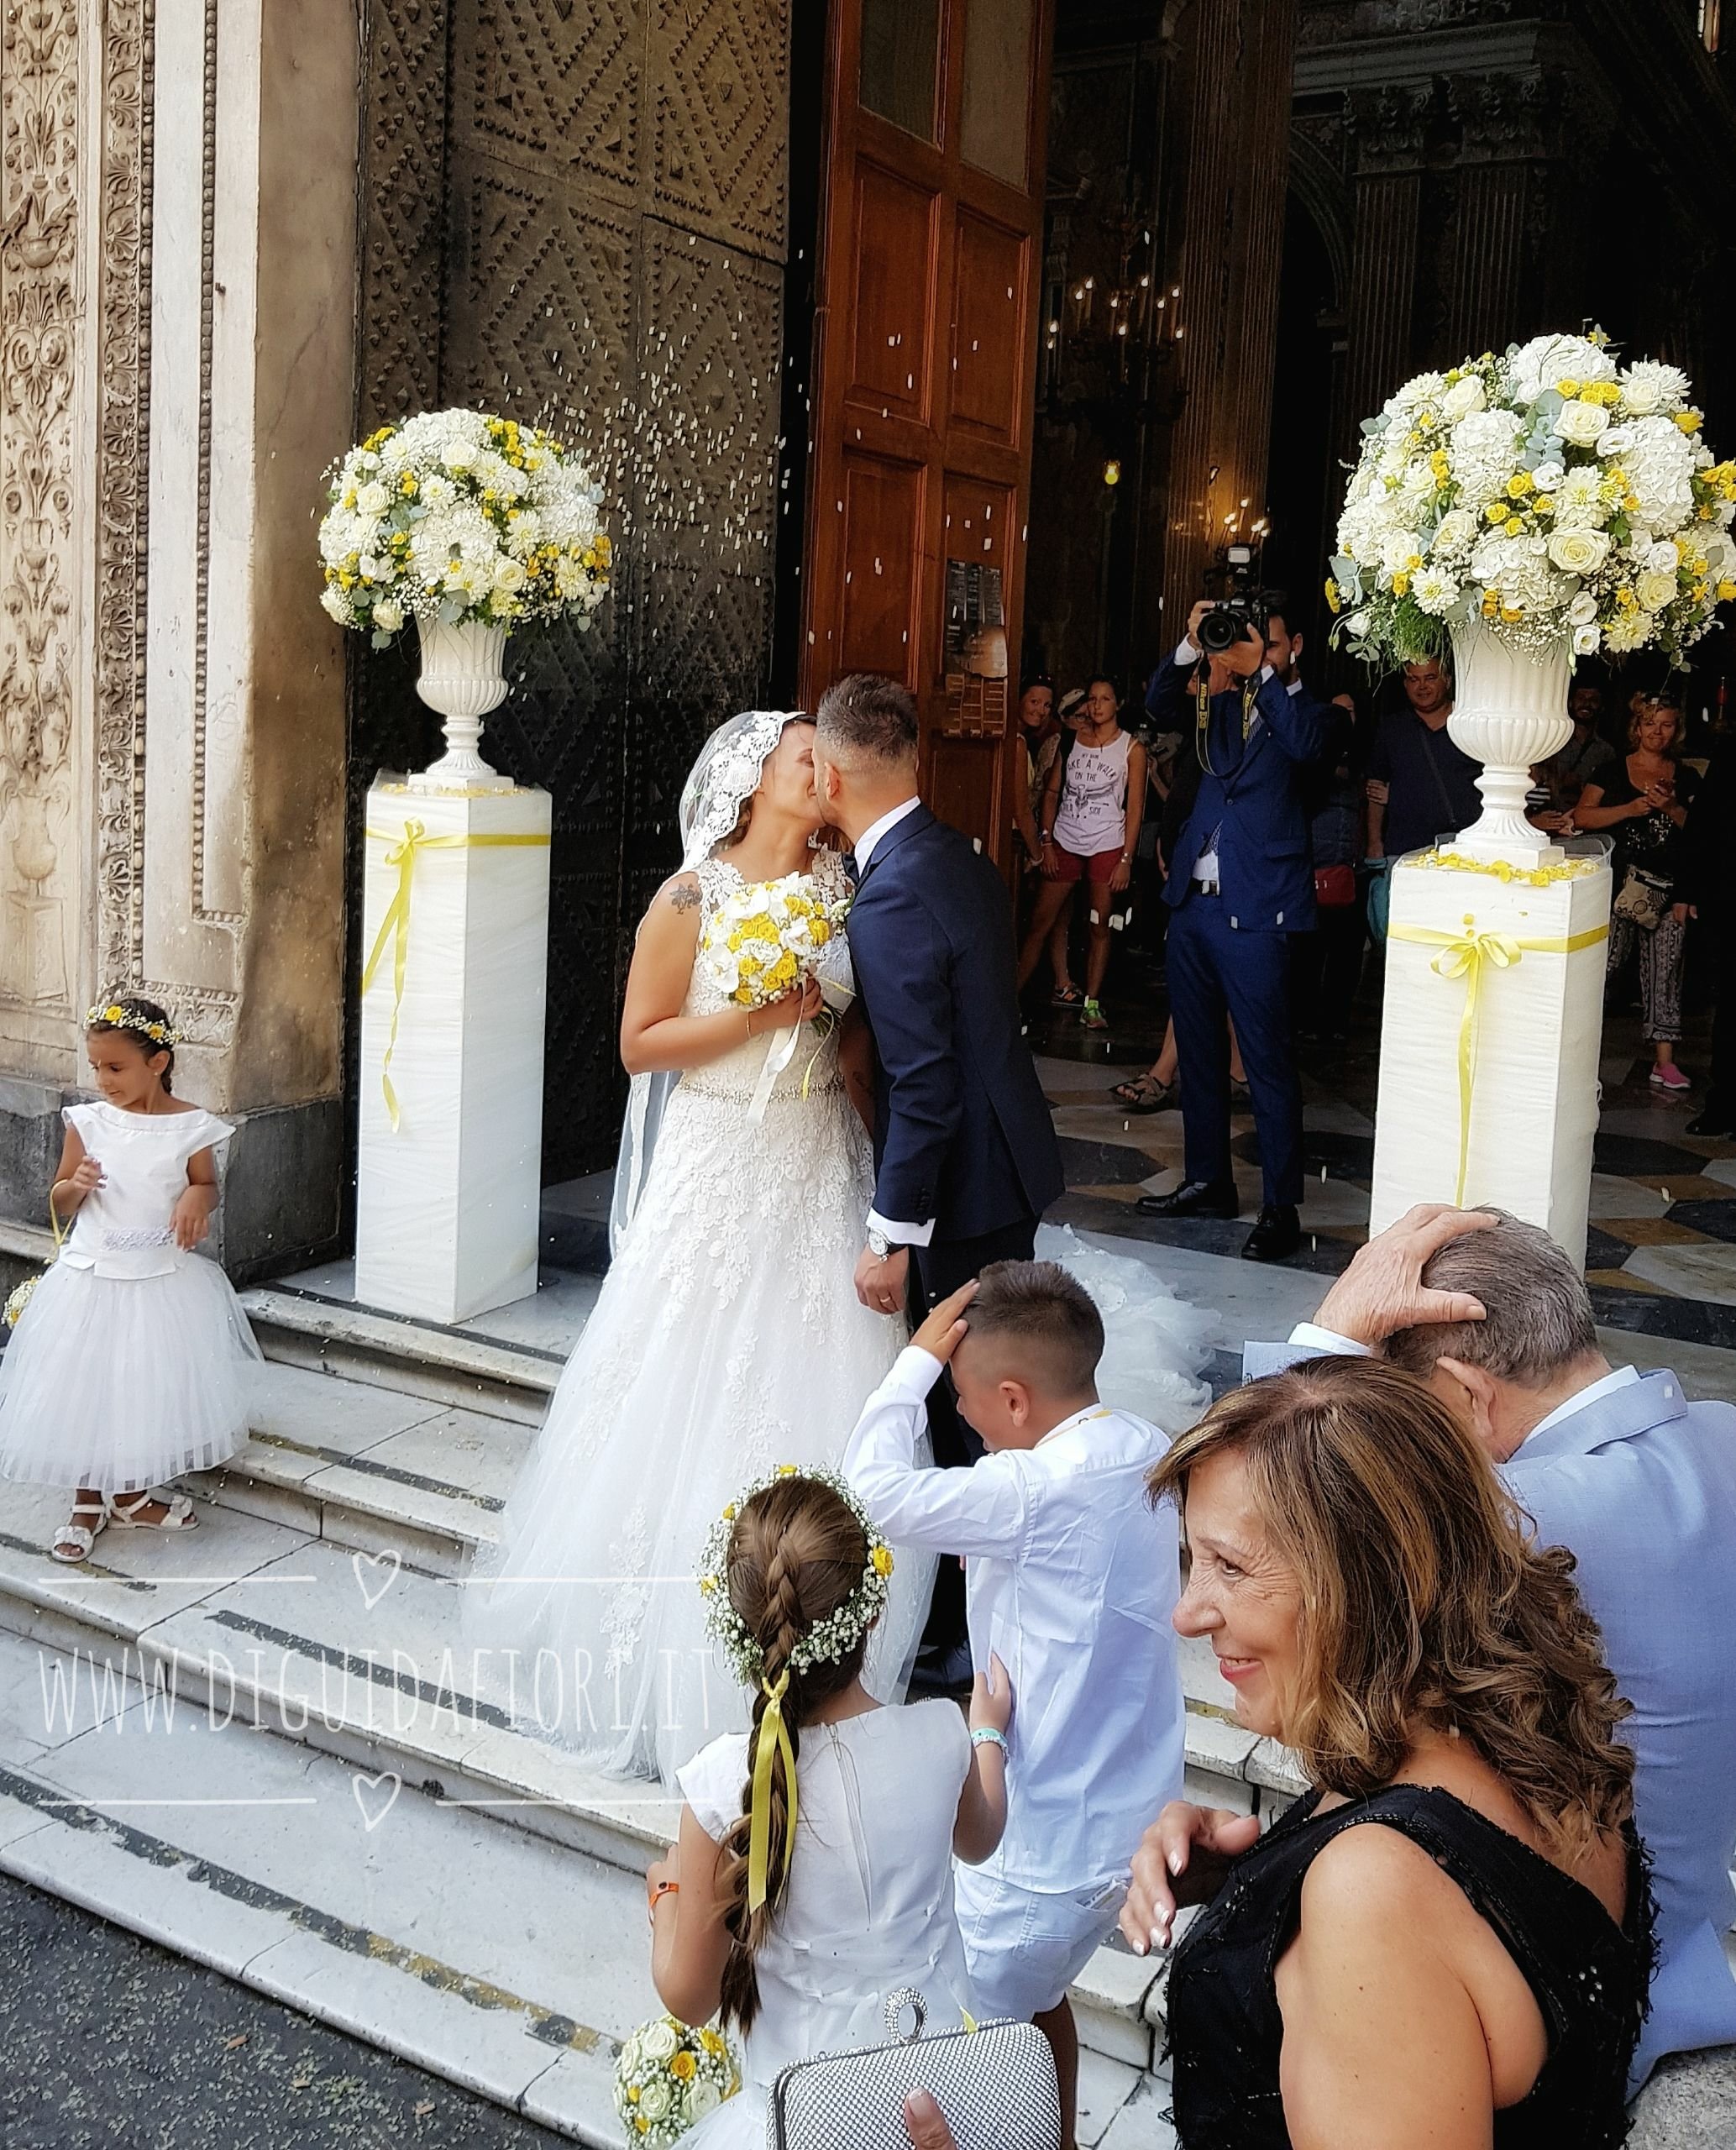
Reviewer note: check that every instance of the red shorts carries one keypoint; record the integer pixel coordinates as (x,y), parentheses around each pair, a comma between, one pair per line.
(1099,869)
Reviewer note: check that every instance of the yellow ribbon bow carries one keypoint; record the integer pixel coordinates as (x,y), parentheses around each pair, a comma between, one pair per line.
(406,847)
(1465,955)
(773,1738)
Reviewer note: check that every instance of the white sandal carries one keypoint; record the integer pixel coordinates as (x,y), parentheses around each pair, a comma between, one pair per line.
(80,1536)
(123,1512)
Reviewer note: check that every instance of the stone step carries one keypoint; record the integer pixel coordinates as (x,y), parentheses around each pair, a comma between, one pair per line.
(254,1625)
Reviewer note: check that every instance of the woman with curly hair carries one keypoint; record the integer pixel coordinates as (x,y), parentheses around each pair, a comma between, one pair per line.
(813,1878)
(1446,1943)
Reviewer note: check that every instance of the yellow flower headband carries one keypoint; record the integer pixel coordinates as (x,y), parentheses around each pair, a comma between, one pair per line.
(117,1018)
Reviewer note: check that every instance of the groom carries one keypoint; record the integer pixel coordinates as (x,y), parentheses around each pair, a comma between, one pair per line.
(965,1154)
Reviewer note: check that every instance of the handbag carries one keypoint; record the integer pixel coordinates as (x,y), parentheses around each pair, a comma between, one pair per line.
(1643,900)
(1334,886)
(994,2083)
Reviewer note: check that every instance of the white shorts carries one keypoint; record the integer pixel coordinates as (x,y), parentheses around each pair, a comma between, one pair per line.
(1025,1947)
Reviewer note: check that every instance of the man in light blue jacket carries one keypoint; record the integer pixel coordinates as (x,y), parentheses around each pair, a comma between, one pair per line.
(1640,1485)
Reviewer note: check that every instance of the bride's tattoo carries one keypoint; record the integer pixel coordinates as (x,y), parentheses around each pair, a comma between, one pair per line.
(684,896)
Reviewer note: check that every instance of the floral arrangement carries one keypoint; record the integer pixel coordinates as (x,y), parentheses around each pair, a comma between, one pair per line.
(1551,494)
(824,1644)
(458,517)
(118,1017)
(766,938)
(669,2078)
(17,1299)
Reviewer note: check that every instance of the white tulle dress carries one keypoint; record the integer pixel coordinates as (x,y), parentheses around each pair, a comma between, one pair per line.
(128,1364)
(868,1907)
(727,1338)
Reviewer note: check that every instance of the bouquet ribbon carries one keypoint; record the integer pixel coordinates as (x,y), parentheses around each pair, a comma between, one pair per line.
(779,1055)
(771,1738)
(408,845)
(1465,955)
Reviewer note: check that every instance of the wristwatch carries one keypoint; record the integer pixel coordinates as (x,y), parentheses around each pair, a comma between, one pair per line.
(879,1246)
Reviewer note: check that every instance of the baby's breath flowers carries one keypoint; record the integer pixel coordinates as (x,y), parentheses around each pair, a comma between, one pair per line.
(828,1640)
(1550,493)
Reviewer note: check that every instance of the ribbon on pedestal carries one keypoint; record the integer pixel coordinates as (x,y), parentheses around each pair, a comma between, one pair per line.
(1464,955)
(408,845)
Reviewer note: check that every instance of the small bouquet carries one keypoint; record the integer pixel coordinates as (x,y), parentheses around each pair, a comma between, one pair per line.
(765,941)
(669,2077)
(459,516)
(20,1294)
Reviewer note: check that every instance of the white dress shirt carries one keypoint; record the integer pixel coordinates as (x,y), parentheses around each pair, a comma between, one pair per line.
(1070,1579)
(900,1233)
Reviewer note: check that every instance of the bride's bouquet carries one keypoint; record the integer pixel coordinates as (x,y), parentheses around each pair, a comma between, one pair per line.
(669,2077)
(765,941)
(1547,494)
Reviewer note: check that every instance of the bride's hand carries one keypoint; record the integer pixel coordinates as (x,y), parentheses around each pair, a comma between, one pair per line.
(800,1005)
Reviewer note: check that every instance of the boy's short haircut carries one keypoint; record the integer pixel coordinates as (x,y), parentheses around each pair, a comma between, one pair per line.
(1049,1320)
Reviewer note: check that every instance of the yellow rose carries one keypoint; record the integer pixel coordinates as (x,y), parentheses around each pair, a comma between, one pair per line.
(1689,421)
(883,1562)
(1514,525)
(1726,591)
(1518,484)
(1401,584)
(786,1470)
(1568,387)
(1496,511)
(684,2068)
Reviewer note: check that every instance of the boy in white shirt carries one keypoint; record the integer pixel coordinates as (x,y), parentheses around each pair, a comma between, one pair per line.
(1070,1579)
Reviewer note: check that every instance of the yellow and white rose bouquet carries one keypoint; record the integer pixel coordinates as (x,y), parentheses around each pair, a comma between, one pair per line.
(669,2077)
(1552,493)
(767,940)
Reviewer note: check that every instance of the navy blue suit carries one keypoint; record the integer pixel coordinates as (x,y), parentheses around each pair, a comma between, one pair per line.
(1229,953)
(963,1131)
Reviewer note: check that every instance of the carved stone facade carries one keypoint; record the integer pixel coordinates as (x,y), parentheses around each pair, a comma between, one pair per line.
(577,214)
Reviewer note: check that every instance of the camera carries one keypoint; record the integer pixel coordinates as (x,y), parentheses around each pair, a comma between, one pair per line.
(1243,605)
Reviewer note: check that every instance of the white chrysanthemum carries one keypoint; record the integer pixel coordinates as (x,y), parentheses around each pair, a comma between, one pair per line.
(1648,386)
(1422,388)
(1576,499)
(1436,593)
(337,605)
(1481,450)
(388,616)
(1629,631)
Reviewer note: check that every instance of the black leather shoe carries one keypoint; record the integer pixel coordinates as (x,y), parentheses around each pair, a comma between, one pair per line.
(1193,1197)
(1276,1233)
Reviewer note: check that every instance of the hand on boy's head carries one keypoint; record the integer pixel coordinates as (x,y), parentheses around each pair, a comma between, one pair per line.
(940,1335)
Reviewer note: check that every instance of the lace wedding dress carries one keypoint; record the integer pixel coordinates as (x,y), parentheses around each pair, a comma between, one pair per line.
(727,1339)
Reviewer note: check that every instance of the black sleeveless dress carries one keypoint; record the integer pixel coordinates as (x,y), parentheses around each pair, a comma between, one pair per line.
(1589,1977)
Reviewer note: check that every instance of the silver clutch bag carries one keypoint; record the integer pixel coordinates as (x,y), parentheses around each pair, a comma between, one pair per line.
(995,2084)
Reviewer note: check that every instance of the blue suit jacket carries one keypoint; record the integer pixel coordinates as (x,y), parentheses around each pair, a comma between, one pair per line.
(1640,1485)
(963,1130)
(1254,801)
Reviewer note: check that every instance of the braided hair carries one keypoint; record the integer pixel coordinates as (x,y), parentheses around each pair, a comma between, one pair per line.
(796,1554)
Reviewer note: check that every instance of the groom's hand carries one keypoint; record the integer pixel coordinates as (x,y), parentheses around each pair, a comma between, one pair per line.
(941,1334)
(881,1286)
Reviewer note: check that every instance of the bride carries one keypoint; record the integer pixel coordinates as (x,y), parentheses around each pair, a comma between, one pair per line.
(728,1337)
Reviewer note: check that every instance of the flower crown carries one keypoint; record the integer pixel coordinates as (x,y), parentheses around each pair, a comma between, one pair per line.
(828,1640)
(117,1018)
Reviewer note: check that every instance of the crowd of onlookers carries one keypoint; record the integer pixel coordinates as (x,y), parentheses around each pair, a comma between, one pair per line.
(1130,813)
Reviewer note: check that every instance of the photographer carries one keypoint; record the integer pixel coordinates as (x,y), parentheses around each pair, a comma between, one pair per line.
(1240,884)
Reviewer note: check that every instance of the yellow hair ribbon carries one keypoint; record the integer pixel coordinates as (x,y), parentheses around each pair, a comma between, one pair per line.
(406,846)
(1464,955)
(773,1738)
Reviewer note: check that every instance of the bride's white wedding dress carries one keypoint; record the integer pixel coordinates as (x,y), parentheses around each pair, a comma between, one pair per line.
(727,1338)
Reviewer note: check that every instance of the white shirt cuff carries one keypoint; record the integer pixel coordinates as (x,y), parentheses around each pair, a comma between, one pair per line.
(1327,1343)
(914,1372)
(1185,653)
(901,1235)
(1294,687)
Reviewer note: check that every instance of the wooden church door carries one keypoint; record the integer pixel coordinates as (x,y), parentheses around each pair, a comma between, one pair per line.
(925,367)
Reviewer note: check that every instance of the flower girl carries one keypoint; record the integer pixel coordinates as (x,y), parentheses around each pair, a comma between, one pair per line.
(125,1367)
(796,1905)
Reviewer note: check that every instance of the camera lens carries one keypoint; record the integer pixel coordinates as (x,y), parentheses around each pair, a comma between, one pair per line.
(1218,629)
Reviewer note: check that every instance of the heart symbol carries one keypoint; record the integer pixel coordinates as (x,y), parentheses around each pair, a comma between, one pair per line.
(376,1797)
(368,1567)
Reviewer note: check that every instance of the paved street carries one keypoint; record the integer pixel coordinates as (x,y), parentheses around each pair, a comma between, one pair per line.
(112,2041)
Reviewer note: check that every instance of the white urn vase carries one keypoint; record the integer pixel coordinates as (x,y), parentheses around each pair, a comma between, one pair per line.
(1510,713)
(463,677)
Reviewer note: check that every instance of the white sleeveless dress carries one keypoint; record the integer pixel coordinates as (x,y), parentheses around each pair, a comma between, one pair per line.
(727,1338)
(868,1908)
(128,1365)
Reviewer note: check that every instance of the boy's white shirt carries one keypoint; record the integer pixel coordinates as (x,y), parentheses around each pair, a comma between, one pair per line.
(1070,1578)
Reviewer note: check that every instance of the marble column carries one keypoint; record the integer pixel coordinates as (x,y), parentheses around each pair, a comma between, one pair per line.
(177,286)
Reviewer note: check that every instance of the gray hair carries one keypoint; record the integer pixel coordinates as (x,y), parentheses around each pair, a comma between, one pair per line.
(1538,1318)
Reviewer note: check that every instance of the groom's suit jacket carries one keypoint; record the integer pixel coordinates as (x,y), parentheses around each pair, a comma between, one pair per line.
(963,1132)
(1640,1485)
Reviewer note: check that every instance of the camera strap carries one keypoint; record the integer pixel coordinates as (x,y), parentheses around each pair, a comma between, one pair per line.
(1202,719)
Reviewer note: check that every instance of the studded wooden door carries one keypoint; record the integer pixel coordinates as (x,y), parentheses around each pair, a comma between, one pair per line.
(576,212)
(925,372)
